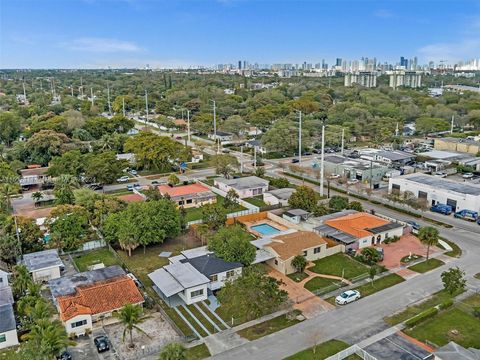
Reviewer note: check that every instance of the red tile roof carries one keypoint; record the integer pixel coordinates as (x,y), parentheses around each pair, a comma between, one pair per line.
(182,190)
(356,224)
(131,198)
(100,298)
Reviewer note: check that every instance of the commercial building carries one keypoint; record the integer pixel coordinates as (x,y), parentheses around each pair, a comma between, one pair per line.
(459,145)
(192,195)
(90,296)
(359,169)
(405,78)
(390,157)
(245,187)
(363,78)
(436,190)
(357,230)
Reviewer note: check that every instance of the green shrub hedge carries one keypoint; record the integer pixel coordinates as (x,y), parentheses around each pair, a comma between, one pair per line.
(424,315)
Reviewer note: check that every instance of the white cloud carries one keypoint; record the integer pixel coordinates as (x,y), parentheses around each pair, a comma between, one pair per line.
(384,14)
(461,50)
(101,45)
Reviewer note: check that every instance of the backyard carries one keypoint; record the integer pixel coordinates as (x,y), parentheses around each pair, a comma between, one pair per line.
(323,351)
(103,255)
(338,265)
(455,324)
(426,265)
(195,213)
(257,201)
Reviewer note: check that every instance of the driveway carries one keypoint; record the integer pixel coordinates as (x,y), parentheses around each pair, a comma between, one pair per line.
(408,244)
(309,304)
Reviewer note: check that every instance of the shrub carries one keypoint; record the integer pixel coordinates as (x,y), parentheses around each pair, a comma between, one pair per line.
(446,304)
(424,315)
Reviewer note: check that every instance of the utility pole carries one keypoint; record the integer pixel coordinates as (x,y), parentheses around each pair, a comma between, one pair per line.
(108,100)
(241,159)
(24,92)
(188,125)
(123,105)
(17,231)
(215,122)
(81,86)
(71,89)
(322,158)
(299,137)
(343,140)
(371,174)
(91,95)
(255,157)
(396,130)
(146,106)
(451,124)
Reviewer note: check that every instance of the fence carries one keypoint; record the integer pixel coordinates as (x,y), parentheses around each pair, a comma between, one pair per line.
(229,216)
(89,245)
(352,350)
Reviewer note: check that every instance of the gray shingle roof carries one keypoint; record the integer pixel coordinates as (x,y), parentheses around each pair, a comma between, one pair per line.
(333,233)
(283,194)
(7,317)
(210,264)
(453,351)
(42,260)
(6,296)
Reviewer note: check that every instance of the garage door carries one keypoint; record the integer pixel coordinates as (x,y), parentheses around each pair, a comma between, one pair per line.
(452,203)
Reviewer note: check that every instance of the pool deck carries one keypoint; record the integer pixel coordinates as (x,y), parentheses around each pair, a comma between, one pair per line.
(274,224)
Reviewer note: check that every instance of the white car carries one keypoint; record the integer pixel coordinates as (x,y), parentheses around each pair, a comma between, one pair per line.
(353,181)
(467,175)
(334,176)
(123,179)
(441,174)
(133,172)
(347,297)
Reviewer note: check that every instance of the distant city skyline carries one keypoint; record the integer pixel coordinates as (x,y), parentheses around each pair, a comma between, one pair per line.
(162,34)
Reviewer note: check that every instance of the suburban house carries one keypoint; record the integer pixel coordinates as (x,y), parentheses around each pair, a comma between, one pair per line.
(453,351)
(34,175)
(43,265)
(192,276)
(8,325)
(296,215)
(278,196)
(286,246)
(130,157)
(134,197)
(245,187)
(358,230)
(256,144)
(221,136)
(86,297)
(197,156)
(191,195)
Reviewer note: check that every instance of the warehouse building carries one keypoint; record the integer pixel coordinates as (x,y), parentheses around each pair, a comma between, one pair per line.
(438,190)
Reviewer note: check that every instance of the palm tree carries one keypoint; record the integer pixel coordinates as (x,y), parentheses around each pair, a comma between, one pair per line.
(130,316)
(29,300)
(299,263)
(8,189)
(428,235)
(64,186)
(37,196)
(173,351)
(49,337)
(21,280)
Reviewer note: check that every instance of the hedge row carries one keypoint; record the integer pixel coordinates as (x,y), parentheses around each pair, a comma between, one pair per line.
(424,315)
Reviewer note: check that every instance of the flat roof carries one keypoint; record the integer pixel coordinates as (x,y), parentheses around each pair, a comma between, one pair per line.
(243,182)
(444,184)
(297,212)
(283,194)
(165,282)
(335,234)
(6,295)
(41,260)
(186,275)
(8,318)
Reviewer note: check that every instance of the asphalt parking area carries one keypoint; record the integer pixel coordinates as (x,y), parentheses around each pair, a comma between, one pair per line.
(398,347)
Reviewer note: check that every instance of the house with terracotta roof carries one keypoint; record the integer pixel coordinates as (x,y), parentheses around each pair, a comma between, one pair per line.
(87,297)
(357,230)
(306,243)
(191,195)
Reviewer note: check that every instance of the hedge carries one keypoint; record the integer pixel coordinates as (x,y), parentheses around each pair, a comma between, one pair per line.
(424,315)
(446,304)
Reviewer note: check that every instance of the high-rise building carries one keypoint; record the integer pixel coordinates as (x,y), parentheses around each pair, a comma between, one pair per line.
(404,62)
(338,62)
(364,78)
(239,64)
(400,77)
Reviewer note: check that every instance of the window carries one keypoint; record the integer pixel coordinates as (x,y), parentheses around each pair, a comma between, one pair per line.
(214,278)
(317,250)
(395,188)
(257,191)
(305,252)
(196,293)
(422,195)
(1,280)
(189,201)
(230,273)
(79,323)
(3,338)
(276,262)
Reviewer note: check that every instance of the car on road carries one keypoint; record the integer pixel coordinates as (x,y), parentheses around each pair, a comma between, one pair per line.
(123,179)
(334,176)
(442,209)
(130,187)
(65,355)
(101,343)
(155,182)
(414,225)
(95,186)
(468,176)
(466,215)
(178,138)
(353,181)
(136,185)
(295,161)
(347,297)
(441,174)
(226,151)
(133,172)
(307,153)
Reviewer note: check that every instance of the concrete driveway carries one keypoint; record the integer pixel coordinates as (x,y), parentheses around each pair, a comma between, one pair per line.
(408,244)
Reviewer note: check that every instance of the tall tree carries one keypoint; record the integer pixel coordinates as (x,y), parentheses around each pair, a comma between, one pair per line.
(225,164)
(214,216)
(10,127)
(131,316)
(232,243)
(454,280)
(68,226)
(104,168)
(63,190)
(304,198)
(429,236)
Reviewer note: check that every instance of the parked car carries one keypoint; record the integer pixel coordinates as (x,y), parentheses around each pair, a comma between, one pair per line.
(414,225)
(468,175)
(347,297)
(307,153)
(155,182)
(95,186)
(65,356)
(130,187)
(295,161)
(123,179)
(467,215)
(381,253)
(101,343)
(442,209)
(226,151)
(133,172)
(178,137)
(441,174)
(352,181)
(334,176)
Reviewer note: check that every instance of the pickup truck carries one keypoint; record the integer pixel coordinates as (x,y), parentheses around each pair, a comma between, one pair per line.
(467,215)
(442,209)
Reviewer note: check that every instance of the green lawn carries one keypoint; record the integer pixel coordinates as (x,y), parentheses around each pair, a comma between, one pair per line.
(413,310)
(103,255)
(268,327)
(198,352)
(196,213)
(192,322)
(257,201)
(335,264)
(297,277)
(202,319)
(426,265)
(319,283)
(380,284)
(323,351)
(455,324)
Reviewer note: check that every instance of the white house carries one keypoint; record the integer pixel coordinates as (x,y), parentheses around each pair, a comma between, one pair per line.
(4,276)
(252,144)
(43,265)
(278,196)
(90,296)
(8,325)
(295,215)
(454,351)
(245,187)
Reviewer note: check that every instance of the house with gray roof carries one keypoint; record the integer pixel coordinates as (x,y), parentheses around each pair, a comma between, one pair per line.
(453,351)
(245,187)
(8,326)
(43,265)
(278,196)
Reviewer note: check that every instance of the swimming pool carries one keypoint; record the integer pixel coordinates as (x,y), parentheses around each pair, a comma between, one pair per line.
(265,229)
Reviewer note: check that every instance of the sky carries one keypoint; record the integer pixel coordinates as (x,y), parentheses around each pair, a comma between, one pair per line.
(171,33)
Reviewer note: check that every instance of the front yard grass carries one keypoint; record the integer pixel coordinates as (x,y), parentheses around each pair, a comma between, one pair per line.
(297,277)
(436,299)
(426,265)
(319,283)
(379,284)
(257,201)
(323,351)
(202,319)
(335,264)
(270,326)
(93,257)
(195,213)
(198,352)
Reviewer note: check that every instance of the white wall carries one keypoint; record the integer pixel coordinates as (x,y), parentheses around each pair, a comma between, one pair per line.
(46,274)
(222,278)
(186,294)
(3,278)
(11,339)
(270,199)
(80,330)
